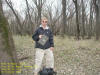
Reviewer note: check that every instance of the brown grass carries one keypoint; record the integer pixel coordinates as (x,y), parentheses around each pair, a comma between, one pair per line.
(71,57)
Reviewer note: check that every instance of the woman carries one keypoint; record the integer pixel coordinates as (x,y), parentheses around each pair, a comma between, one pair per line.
(46,49)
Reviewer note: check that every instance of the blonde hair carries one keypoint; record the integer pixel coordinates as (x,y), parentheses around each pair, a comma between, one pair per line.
(44,18)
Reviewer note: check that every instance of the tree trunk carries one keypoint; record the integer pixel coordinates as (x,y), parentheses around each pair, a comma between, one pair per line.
(7,49)
(39,11)
(90,20)
(97,10)
(83,20)
(77,22)
(64,17)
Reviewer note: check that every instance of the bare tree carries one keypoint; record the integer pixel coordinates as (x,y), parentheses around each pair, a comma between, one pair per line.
(90,20)
(77,20)
(64,16)
(52,20)
(83,19)
(39,4)
(7,49)
(30,23)
(97,11)
(9,3)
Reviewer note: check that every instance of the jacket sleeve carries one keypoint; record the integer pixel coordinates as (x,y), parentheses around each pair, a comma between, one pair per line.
(51,39)
(35,36)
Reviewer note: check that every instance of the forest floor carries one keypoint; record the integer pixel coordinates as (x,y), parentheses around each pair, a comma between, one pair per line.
(72,57)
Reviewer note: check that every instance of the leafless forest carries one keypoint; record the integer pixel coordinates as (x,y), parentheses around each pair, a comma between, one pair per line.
(75,25)
(79,18)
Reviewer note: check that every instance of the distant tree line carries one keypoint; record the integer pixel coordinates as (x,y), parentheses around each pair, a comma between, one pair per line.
(79,18)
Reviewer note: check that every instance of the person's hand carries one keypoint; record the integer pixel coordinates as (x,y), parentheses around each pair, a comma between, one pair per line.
(52,48)
(40,36)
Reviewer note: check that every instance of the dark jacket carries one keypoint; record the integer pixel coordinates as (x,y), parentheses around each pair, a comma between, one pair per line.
(47,32)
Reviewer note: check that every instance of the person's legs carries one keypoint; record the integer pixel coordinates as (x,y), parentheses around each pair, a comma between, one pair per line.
(38,60)
(49,58)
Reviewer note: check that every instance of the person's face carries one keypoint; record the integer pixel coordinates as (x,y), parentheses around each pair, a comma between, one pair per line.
(44,22)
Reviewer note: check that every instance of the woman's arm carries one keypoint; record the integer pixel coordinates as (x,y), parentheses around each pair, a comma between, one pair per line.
(35,36)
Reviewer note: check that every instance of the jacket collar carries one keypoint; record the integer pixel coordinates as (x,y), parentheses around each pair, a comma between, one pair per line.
(45,27)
